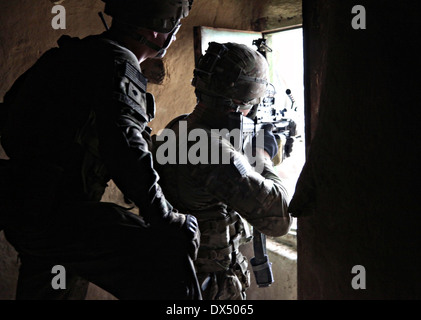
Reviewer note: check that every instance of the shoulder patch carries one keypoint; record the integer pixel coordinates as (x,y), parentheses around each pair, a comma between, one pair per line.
(134,75)
(131,90)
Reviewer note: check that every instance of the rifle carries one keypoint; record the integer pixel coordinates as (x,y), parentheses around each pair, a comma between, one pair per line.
(284,129)
(267,112)
(262,267)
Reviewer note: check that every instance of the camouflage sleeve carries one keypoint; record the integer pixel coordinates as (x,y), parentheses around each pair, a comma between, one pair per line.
(260,198)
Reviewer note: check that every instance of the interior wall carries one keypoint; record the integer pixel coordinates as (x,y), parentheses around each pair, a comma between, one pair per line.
(358,195)
(275,14)
(26,32)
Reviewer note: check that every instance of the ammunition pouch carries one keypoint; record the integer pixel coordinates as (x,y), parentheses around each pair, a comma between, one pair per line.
(219,255)
(229,284)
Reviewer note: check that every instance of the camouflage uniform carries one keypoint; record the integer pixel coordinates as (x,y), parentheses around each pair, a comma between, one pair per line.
(221,196)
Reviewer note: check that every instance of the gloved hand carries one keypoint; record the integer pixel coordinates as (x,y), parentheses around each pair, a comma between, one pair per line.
(270,144)
(191,228)
(163,215)
(288,146)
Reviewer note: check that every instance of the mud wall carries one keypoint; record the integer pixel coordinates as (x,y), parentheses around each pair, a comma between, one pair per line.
(358,196)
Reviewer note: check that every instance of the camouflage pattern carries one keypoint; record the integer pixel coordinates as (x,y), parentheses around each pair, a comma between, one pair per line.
(240,73)
(161,16)
(221,196)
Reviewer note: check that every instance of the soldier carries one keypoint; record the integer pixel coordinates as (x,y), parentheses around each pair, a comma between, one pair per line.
(229,78)
(75,120)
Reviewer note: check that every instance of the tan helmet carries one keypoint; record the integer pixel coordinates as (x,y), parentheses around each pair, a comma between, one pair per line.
(232,71)
(159,15)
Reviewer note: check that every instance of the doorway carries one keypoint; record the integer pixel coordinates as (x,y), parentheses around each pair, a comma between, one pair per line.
(285,59)
(286,63)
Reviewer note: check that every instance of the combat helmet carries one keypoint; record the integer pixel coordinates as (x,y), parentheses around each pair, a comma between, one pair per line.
(232,71)
(159,15)
(162,16)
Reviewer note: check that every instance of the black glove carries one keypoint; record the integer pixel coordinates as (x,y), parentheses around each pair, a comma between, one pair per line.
(270,143)
(191,228)
(184,225)
(161,214)
(288,146)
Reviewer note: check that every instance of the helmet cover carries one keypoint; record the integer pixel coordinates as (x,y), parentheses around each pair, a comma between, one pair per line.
(232,71)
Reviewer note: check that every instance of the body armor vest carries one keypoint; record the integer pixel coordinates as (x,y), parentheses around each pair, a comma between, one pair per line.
(74,144)
(129,91)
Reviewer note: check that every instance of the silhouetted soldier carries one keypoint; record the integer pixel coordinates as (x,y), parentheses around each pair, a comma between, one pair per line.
(77,119)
